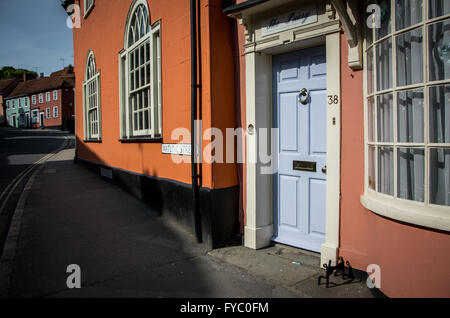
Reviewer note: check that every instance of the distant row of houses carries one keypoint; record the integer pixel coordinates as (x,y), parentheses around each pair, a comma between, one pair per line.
(38,103)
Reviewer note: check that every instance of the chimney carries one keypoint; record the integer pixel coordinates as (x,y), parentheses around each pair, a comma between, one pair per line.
(24,75)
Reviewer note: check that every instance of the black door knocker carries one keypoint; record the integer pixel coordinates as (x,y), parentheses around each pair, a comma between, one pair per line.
(303,96)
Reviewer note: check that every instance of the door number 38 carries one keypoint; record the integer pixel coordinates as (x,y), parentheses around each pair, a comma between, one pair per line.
(333,99)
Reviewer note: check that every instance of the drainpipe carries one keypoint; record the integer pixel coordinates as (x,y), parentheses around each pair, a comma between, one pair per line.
(194,86)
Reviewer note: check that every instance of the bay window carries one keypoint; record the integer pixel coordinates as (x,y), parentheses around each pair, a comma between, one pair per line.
(407,106)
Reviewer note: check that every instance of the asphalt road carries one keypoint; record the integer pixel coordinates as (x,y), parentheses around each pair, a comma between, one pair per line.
(19,149)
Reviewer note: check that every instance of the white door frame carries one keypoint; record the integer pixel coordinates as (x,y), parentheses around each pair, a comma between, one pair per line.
(259,227)
(41,116)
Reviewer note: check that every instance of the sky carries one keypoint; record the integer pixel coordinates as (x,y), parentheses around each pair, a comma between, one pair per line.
(33,33)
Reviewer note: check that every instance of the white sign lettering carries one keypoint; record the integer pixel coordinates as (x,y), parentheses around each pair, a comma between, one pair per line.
(289,20)
(176,149)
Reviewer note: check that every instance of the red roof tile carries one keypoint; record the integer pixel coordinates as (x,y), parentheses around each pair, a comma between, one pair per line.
(41,84)
(5,85)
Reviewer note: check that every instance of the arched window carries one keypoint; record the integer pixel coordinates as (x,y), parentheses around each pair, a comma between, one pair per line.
(91,100)
(140,75)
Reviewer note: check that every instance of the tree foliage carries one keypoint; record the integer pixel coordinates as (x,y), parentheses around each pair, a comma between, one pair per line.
(10,72)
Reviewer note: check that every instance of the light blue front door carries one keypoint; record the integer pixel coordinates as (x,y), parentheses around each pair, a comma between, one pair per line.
(300,183)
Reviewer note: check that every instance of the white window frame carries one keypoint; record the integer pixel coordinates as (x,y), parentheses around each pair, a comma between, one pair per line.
(20,102)
(41,98)
(33,99)
(48,113)
(92,122)
(55,94)
(88,5)
(127,129)
(47,97)
(414,212)
(55,112)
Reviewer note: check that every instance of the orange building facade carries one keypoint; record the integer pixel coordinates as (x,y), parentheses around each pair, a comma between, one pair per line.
(133,154)
(346,150)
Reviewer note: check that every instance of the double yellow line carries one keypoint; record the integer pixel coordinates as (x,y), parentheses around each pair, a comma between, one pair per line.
(9,190)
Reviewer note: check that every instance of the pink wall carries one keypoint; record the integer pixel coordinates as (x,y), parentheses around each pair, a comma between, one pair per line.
(414,261)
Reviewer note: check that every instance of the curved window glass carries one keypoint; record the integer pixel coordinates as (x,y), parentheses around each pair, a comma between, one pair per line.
(408,101)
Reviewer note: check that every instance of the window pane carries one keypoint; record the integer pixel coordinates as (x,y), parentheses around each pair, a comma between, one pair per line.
(142,71)
(145,97)
(439,50)
(142,60)
(140,121)
(409,57)
(136,78)
(136,58)
(371,119)
(370,73)
(384,64)
(385,19)
(131,61)
(368,29)
(407,12)
(410,166)
(135,126)
(371,167)
(132,81)
(438,8)
(146,120)
(147,51)
(138,101)
(439,120)
(147,72)
(386,170)
(440,176)
(385,118)
(410,122)
(134,102)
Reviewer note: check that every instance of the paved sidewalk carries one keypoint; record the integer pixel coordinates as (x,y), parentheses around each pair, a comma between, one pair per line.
(72,216)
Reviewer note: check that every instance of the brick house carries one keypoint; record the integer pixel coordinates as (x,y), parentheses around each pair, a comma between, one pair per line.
(47,102)
(6,87)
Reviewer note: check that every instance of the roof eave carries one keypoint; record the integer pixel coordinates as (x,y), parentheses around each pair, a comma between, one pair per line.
(235,9)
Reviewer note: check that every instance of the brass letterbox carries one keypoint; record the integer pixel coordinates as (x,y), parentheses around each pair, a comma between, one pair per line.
(304,165)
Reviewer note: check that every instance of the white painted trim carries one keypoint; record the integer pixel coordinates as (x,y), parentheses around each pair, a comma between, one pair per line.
(331,245)
(259,209)
(413,212)
(133,7)
(87,10)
